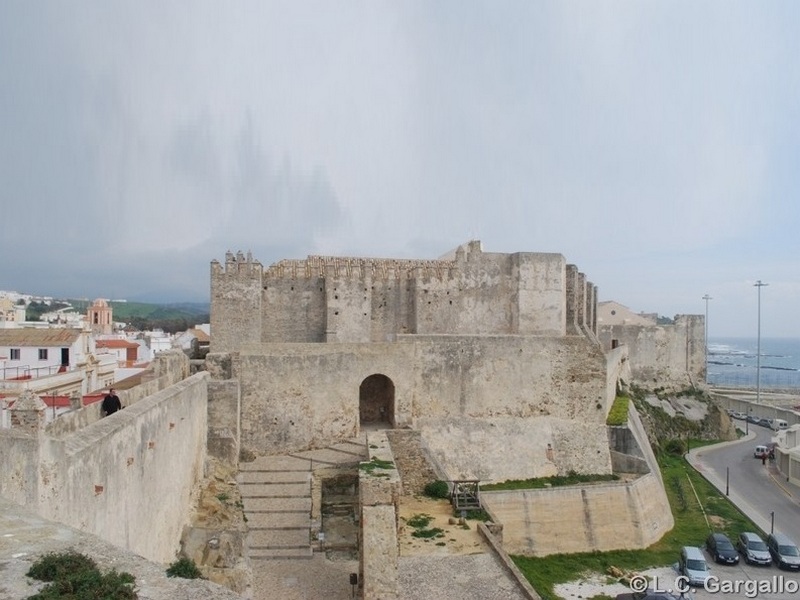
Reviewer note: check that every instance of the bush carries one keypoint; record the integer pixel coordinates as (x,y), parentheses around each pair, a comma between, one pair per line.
(74,576)
(184,568)
(437,489)
(675,446)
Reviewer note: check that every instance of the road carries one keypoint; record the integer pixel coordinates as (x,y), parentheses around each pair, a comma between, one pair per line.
(757,494)
(750,485)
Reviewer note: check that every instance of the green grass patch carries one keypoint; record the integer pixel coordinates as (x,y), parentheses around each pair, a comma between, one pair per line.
(618,415)
(544,482)
(419,523)
(690,529)
(376,463)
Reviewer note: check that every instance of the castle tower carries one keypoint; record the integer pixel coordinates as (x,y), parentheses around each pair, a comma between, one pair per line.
(100,318)
(236,290)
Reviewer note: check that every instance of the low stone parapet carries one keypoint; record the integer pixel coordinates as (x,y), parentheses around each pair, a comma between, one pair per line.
(379,488)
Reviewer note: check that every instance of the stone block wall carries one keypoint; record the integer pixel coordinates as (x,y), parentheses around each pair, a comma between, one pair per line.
(19,466)
(496,449)
(379,551)
(297,396)
(224,421)
(293,310)
(166,369)
(235,302)
(128,478)
(345,300)
(666,355)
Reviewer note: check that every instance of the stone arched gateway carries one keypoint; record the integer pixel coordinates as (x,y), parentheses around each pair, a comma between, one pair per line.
(376,401)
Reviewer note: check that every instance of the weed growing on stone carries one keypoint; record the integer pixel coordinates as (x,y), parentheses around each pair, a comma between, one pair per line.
(376,463)
(184,568)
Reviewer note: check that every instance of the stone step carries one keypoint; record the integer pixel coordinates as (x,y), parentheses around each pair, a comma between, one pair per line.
(329,456)
(275,490)
(282,554)
(273,477)
(293,504)
(279,520)
(358,450)
(276,463)
(278,538)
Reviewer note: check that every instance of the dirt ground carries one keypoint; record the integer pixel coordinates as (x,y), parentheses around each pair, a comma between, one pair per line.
(455,538)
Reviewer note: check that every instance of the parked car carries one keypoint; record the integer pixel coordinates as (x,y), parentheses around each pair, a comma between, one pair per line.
(779,424)
(760,452)
(647,595)
(765,423)
(692,565)
(721,549)
(783,551)
(753,549)
(738,415)
(753,419)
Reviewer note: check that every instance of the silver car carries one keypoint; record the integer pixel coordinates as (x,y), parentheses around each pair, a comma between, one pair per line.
(784,551)
(753,549)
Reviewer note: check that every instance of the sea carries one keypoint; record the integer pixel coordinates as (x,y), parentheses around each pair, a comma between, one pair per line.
(733,362)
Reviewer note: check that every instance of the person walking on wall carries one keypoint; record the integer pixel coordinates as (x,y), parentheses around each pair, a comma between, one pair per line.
(111,403)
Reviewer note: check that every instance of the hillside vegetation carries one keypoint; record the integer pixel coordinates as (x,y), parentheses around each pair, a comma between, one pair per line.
(171,318)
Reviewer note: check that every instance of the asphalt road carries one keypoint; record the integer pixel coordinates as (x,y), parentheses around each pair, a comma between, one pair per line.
(758,495)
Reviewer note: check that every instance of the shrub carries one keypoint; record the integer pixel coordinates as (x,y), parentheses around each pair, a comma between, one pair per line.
(75,576)
(675,446)
(184,568)
(437,489)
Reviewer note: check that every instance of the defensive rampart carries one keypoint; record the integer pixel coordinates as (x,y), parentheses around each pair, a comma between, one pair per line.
(127,478)
(297,396)
(347,300)
(667,355)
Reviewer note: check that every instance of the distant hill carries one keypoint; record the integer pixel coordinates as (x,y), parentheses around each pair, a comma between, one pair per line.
(172,317)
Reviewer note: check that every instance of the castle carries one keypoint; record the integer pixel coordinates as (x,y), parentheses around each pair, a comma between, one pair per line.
(493,360)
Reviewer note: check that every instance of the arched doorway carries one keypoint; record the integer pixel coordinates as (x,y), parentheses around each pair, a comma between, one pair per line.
(376,401)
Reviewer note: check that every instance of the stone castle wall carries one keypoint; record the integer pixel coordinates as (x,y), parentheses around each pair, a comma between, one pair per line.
(127,478)
(667,355)
(297,396)
(346,300)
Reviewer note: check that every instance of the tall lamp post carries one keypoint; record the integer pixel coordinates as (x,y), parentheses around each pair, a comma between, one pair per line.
(707,298)
(759,285)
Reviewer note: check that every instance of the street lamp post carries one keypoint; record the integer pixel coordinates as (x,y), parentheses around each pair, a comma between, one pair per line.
(759,285)
(707,298)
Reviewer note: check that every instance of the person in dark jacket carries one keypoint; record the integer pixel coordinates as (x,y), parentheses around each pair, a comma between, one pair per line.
(111,403)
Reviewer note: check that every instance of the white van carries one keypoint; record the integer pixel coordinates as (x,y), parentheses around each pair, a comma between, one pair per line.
(779,424)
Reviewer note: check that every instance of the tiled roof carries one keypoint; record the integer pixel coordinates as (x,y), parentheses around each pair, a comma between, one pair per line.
(200,335)
(115,344)
(29,336)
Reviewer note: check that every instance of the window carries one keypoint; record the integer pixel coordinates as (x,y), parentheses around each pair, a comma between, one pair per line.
(14,353)
(42,353)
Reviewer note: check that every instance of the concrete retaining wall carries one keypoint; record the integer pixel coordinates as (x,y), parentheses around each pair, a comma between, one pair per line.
(597,517)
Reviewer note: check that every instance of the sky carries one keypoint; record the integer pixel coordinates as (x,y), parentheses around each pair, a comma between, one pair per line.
(653,144)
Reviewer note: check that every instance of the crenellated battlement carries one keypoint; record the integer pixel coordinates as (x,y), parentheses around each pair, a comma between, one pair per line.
(358,268)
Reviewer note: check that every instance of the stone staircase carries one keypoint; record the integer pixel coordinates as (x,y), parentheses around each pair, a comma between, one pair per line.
(277,497)
(415,470)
